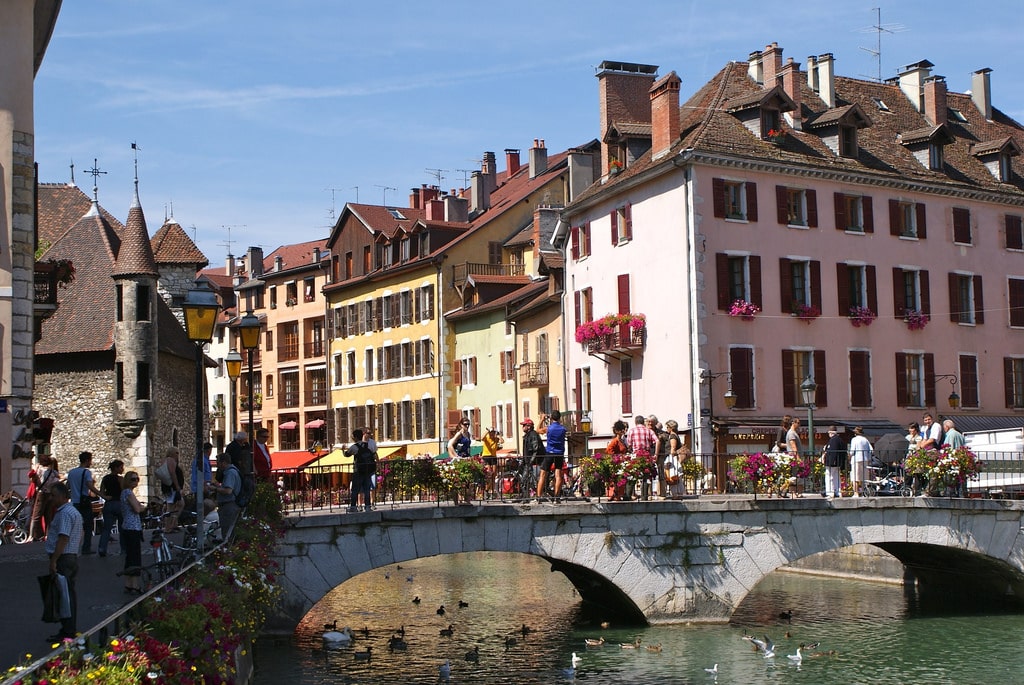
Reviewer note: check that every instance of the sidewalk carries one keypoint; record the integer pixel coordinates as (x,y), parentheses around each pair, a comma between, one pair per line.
(100,594)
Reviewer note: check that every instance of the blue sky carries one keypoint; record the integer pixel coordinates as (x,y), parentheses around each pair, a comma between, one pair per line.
(247,114)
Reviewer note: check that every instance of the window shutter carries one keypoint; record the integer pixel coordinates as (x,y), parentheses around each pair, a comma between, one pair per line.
(751,189)
(472,371)
(577,309)
(741,364)
(718,197)
(586,239)
(898,303)
(1014,236)
(628,214)
(954,298)
(342,322)
(417,307)
(968,381)
(842,221)
(929,379)
(755,280)
(961,225)
(926,292)
(815,268)
(902,396)
(623,293)
(722,276)
(922,224)
(869,214)
(579,389)
(843,288)
(494,417)
(575,235)
(860,395)
(811,196)
(378,314)
(821,394)
(454,418)
(457,373)
(894,220)
(979,301)
(785,285)
(1008,381)
(782,204)
(502,374)
(615,227)
(869,276)
(789,384)
(509,429)
(1016,292)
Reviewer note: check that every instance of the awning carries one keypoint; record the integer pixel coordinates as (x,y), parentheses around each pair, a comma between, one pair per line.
(288,426)
(332,458)
(290,461)
(315,423)
(398,451)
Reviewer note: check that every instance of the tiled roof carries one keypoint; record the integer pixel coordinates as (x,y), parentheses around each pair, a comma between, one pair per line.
(632,128)
(379,218)
(60,206)
(489,279)
(991,146)
(171,245)
(498,302)
(295,256)
(135,256)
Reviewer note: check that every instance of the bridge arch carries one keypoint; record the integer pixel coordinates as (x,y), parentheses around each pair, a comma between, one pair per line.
(666,561)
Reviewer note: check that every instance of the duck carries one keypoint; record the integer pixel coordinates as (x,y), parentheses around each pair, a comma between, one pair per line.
(333,625)
(463,605)
(654,648)
(510,642)
(630,645)
(830,652)
(786,616)
(798,657)
(591,642)
(605,624)
(713,670)
(343,636)
(525,630)
(473,654)
(365,631)
(445,670)
(449,631)
(440,610)
(416,599)
(363,656)
(576,660)
(397,643)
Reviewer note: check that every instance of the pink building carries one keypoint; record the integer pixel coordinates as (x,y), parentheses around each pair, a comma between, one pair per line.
(874,227)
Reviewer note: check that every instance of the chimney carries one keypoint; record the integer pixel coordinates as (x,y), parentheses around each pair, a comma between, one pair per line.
(545,218)
(435,210)
(826,79)
(489,169)
(456,209)
(538,158)
(316,255)
(416,197)
(278,263)
(664,114)
(981,91)
(429,193)
(755,68)
(935,100)
(581,171)
(230,266)
(771,60)
(511,161)
(912,82)
(812,73)
(623,95)
(791,84)
(480,199)
(254,259)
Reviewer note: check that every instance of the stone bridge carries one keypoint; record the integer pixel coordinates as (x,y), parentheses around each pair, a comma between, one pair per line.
(665,561)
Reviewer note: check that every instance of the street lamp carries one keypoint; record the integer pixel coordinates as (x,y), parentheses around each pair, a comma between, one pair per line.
(586,425)
(233,364)
(249,330)
(729,398)
(953,399)
(808,390)
(200,310)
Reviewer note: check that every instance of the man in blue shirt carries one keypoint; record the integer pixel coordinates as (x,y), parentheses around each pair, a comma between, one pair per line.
(63,540)
(555,456)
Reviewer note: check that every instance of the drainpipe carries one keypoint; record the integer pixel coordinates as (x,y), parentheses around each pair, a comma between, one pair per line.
(515,387)
(689,230)
(442,405)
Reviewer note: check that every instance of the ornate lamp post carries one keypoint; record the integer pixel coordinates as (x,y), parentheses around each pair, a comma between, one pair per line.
(808,390)
(586,426)
(729,398)
(200,309)
(249,330)
(953,399)
(233,362)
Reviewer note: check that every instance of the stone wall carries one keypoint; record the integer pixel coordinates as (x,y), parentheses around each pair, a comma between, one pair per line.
(175,410)
(173,286)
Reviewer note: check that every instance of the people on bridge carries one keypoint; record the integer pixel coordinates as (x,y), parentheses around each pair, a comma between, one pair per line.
(641,438)
(47,475)
(240,453)
(364,465)
(931,432)
(914,437)
(458,446)
(860,456)
(492,443)
(63,540)
(617,445)
(780,444)
(83,488)
(533,449)
(554,457)
(953,438)
(793,443)
(227,493)
(660,452)
(835,458)
(262,463)
(172,480)
(131,534)
(110,491)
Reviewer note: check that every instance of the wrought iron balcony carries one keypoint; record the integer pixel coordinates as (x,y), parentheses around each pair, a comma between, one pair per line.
(461,272)
(624,342)
(533,374)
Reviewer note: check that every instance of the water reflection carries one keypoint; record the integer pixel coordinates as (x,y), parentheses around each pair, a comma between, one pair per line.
(875,636)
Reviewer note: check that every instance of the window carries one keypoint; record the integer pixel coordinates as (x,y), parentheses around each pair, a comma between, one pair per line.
(800,284)
(860,378)
(405,249)
(508,365)
(349,265)
(464,371)
(142,384)
(965,299)
(626,385)
(907,219)
(855,284)
(273,297)
(854,213)
(406,307)
(962,226)
(735,200)
(1016,300)
(771,120)
(368,365)
(350,367)
(622,224)
(910,291)
(739,278)
(142,304)
(584,306)
(308,290)
(270,341)
(270,385)
(912,369)
(367,260)
(389,313)
(741,366)
(426,422)
(798,366)
(337,370)
(847,141)
(425,302)
(1014,235)
(119,299)
(796,207)
(580,241)
(425,357)
(583,389)
(935,156)
(968,381)
(1005,170)
(1013,378)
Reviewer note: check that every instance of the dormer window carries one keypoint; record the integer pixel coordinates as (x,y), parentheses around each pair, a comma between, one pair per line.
(771,120)
(847,141)
(935,157)
(838,128)
(996,155)
(1005,170)
(926,144)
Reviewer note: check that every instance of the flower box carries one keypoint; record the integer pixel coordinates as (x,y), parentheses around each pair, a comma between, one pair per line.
(776,136)
(861,316)
(916,320)
(805,312)
(612,331)
(744,310)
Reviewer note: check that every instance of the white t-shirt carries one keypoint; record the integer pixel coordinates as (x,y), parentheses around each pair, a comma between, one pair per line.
(860,449)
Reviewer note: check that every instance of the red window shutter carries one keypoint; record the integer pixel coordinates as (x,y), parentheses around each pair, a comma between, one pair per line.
(894,219)
(615,227)
(751,200)
(843,288)
(872,288)
(926,292)
(789,391)
(1014,235)
(860,379)
(494,417)
(476,422)
(457,373)
(961,225)
(586,238)
(979,301)
(1016,292)
(922,224)
(627,395)
(902,395)
(454,418)
(623,293)
(577,307)
(968,381)
(842,221)
(869,214)
(785,285)
(1008,381)
(718,197)
(898,304)
(579,389)
(472,371)
(575,237)
(509,426)
(816,284)
(741,364)
(782,204)
(954,298)
(929,379)
(722,276)
(811,196)
(628,214)
(755,280)
(821,394)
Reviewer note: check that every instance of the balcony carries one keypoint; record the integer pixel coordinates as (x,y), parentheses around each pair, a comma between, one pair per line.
(625,341)
(533,375)
(314,349)
(462,272)
(316,396)
(288,351)
(288,399)
(257,403)
(45,290)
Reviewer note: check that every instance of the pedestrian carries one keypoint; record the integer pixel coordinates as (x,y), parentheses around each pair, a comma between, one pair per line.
(914,437)
(131,534)
(262,464)
(110,491)
(617,445)
(677,456)
(533,453)
(793,444)
(640,438)
(660,452)
(781,444)
(458,446)
(492,443)
(860,455)
(63,540)
(363,468)
(202,461)
(554,457)
(952,437)
(47,475)
(226,493)
(372,445)
(172,480)
(834,456)
(931,433)
(240,453)
(83,489)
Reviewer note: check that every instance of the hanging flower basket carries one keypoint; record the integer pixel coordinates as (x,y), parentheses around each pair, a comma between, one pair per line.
(744,310)
(861,316)
(916,320)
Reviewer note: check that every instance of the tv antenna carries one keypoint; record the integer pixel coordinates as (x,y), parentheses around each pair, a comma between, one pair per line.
(333,191)
(195,233)
(386,189)
(228,243)
(465,176)
(356,188)
(438,174)
(878,29)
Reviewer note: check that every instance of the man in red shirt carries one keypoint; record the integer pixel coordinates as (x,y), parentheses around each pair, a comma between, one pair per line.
(641,437)
(261,461)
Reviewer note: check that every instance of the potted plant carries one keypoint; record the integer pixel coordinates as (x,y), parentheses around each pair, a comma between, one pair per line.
(915,320)
(805,312)
(744,310)
(641,467)
(861,316)
(759,472)
(776,136)
(614,167)
(595,331)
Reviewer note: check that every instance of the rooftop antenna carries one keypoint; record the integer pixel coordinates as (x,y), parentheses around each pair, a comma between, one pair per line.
(195,233)
(438,174)
(878,29)
(72,172)
(356,188)
(386,189)
(465,176)
(333,191)
(228,243)
(96,173)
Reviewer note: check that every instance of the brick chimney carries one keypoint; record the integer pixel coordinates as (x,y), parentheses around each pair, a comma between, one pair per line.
(511,161)
(623,95)
(826,79)
(935,100)
(429,193)
(230,265)
(791,84)
(435,210)
(581,171)
(489,168)
(538,158)
(912,82)
(316,255)
(812,73)
(771,62)
(981,91)
(416,197)
(664,114)
(278,263)
(254,260)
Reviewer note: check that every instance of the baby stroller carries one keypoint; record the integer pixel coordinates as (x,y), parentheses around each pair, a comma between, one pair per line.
(16,514)
(886,479)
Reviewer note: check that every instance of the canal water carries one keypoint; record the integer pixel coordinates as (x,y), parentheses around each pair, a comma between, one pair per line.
(868,633)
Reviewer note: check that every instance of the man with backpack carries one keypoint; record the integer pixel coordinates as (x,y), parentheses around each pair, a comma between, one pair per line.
(364,465)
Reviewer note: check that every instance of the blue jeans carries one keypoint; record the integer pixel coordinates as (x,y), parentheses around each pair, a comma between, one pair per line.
(111,515)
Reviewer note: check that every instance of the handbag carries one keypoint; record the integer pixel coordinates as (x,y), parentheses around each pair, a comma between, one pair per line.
(51,598)
(163,473)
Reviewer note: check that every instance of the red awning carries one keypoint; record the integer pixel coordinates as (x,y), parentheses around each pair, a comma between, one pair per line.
(290,462)
(315,423)
(288,426)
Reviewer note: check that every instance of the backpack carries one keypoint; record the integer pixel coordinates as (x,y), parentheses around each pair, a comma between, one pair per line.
(365,460)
